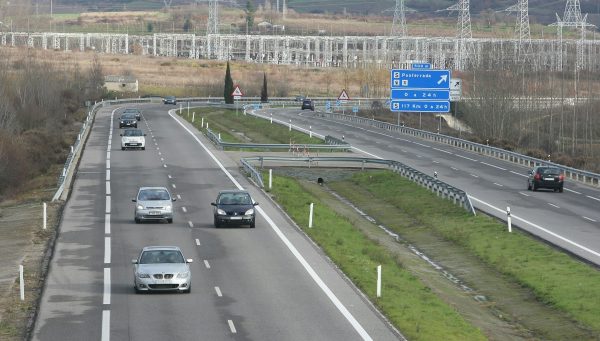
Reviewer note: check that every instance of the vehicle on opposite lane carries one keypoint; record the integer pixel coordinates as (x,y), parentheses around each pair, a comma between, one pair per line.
(161,268)
(153,203)
(545,177)
(133,138)
(127,120)
(234,207)
(170,100)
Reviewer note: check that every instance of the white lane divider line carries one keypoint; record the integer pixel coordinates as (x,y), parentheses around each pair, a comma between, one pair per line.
(106,299)
(162,159)
(218,290)
(190,224)
(173,185)
(107,204)
(206,264)
(572,191)
(107,164)
(593,198)
(178,197)
(197,242)
(590,219)
(436,162)
(454,168)
(309,269)
(404,151)
(443,151)
(524,194)
(422,145)
(231,326)
(169,176)
(157,148)
(464,157)
(497,184)
(108,175)
(475,176)
(165,166)
(493,166)
(519,174)
(107,224)
(184,209)
(159,153)
(106,250)
(105,325)
(419,156)
(108,188)
(551,204)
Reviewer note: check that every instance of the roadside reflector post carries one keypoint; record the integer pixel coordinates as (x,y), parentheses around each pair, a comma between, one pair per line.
(310,215)
(310,131)
(21,283)
(290,125)
(188,109)
(509,219)
(219,136)
(64,172)
(270,178)
(78,137)
(71,149)
(378,281)
(45,216)
(180,109)
(206,125)
(202,123)
(193,116)
(271,118)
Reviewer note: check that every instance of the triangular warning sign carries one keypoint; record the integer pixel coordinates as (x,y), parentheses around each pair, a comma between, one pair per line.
(237,92)
(343,96)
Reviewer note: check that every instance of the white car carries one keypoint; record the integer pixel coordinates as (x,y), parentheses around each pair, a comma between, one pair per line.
(133,138)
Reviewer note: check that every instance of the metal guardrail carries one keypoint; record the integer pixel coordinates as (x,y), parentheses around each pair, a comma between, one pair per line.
(571,173)
(442,189)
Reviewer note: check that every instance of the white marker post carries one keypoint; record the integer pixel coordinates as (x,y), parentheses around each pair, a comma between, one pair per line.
(193,116)
(219,136)
(290,125)
(188,109)
(508,218)
(202,123)
(378,281)
(270,178)
(45,219)
(21,283)
(310,131)
(271,118)
(310,215)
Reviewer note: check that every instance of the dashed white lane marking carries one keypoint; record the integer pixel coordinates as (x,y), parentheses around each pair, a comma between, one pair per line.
(497,184)
(494,166)
(519,174)
(157,148)
(551,204)
(165,166)
(107,224)
(443,151)
(107,204)
(206,264)
(419,156)
(231,326)
(105,325)
(464,157)
(108,188)
(404,151)
(106,250)
(436,162)
(106,299)
(593,198)
(107,164)
(590,219)
(422,145)
(197,242)
(178,196)
(184,209)
(475,176)
(218,290)
(108,175)
(162,159)
(525,194)
(169,176)
(159,153)
(108,155)
(173,185)
(190,224)
(572,191)
(454,168)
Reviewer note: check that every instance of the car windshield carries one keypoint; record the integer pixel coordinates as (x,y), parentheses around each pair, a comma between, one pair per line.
(170,97)
(153,194)
(133,132)
(234,199)
(127,117)
(307,101)
(161,256)
(549,171)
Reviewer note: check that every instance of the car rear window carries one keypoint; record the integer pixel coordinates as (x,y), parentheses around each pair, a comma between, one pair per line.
(550,171)
(128,116)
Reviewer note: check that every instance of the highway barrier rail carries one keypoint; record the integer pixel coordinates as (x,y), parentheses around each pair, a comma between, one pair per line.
(442,189)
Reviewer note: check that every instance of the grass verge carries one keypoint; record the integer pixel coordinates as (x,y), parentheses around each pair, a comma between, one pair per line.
(555,278)
(408,303)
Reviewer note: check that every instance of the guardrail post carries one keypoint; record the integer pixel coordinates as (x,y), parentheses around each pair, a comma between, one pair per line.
(378,281)
(45,216)
(64,172)
(78,137)
(310,215)
(71,149)
(508,219)
(270,178)
(21,283)
(188,108)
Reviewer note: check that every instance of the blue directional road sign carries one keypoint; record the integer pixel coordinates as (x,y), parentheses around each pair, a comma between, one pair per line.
(355,109)
(426,95)
(420,106)
(421,79)
(421,66)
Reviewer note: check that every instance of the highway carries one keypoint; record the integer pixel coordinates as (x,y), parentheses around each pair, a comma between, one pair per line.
(267,283)
(570,219)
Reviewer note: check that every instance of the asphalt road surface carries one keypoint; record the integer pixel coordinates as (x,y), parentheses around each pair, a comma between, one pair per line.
(570,219)
(267,283)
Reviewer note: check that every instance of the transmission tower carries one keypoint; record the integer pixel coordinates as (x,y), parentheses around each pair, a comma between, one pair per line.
(522,28)
(462,50)
(572,18)
(399,24)
(213,17)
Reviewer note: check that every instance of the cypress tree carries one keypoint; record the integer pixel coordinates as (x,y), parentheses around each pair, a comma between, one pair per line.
(264,96)
(227,93)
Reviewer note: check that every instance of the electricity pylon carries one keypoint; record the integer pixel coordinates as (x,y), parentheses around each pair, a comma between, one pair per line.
(213,17)
(522,29)
(462,50)
(399,24)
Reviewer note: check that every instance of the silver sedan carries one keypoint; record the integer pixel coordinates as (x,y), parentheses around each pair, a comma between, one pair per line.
(161,268)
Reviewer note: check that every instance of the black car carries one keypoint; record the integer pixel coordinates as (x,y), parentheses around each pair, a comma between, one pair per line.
(136,112)
(128,120)
(170,100)
(308,104)
(545,177)
(234,207)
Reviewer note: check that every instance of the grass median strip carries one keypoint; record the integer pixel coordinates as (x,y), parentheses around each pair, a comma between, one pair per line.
(555,278)
(409,304)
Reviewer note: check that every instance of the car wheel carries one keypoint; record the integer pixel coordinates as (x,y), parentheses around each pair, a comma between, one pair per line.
(528,186)
(189,290)
(137,220)
(122,148)
(535,187)
(560,190)
(143,148)
(216,222)
(252,225)
(170,221)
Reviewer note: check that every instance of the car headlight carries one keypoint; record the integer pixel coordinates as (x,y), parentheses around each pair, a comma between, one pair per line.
(140,207)
(143,275)
(249,212)
(169,208)
(183,275)
(221,212)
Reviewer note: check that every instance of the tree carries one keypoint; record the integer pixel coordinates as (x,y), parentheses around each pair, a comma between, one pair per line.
(250,10)
(264,96)
(149,27)
(227,93)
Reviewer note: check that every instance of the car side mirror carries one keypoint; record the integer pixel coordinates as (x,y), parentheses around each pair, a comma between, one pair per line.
(189,260)
(144,134)
(254,204)
(213,204)
(173,199)
(134,261)
(120,134)
(133,200)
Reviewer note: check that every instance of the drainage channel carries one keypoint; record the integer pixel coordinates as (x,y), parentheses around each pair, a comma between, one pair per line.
(423,256)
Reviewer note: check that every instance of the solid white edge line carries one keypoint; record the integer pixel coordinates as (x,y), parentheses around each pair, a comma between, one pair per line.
(105,325)
(107,224)
(572,191)
(108,188)
(489,164)
(555,206)
(107,204)
(593,198)
(231,326)
(206,264)
(218,290)
(590,219)
(106,299)
(197,242)
(597,254)
(106,250)
(338,304)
